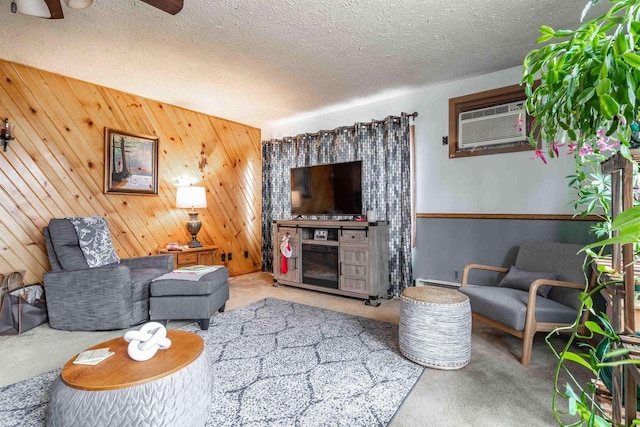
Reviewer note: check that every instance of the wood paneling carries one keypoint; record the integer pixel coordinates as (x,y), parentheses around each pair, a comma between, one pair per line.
(54,169)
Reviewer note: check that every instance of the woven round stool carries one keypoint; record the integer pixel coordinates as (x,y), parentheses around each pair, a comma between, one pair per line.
(435,327)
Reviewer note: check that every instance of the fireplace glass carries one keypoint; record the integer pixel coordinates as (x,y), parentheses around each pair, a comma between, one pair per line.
(320,265)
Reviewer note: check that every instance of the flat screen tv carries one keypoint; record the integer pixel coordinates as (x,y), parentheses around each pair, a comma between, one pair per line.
(331,189)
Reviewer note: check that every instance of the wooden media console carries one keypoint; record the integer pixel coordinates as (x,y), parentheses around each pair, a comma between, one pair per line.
(349,258)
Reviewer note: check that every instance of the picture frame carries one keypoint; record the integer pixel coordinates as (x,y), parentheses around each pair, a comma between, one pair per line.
(130,163)
(319,234)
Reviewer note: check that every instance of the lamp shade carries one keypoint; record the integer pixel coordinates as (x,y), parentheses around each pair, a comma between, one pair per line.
(191,197)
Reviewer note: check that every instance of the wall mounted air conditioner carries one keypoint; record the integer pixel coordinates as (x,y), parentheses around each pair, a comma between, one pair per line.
(490,126)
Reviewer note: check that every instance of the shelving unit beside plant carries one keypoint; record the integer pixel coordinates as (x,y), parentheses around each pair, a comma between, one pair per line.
(622,287)
(614,280)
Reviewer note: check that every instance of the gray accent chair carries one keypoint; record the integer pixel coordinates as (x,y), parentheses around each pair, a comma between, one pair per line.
(80,298)
(523,313)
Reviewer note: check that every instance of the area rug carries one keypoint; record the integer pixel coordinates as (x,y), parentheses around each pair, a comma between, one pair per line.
(278,363)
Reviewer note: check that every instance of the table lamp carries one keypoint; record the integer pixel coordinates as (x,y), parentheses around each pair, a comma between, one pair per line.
(192,198)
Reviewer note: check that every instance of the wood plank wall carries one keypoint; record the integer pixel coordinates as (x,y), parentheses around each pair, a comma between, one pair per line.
(54,168)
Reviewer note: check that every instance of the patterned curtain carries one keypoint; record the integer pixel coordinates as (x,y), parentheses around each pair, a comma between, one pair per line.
(384,148)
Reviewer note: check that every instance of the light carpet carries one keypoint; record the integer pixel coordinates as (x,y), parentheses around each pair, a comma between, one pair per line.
(277,362)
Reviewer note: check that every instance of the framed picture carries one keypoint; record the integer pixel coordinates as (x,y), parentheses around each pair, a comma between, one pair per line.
(320,234)
(130,163)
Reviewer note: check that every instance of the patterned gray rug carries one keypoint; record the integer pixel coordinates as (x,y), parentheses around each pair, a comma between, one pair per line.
(278,363)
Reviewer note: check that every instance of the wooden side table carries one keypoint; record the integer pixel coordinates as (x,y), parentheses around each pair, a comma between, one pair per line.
(172,388)
(205,255)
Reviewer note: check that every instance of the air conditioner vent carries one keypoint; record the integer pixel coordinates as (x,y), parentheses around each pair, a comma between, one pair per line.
(499,124)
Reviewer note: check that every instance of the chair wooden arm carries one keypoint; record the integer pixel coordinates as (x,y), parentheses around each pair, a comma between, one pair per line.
(469,267)
(533,291)
(531,325)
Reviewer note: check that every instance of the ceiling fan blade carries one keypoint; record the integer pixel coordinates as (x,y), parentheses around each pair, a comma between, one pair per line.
(169,6)
(55,8)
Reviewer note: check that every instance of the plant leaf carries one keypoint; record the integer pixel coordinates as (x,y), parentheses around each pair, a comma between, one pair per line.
(562,33)
(615,353)
(631,84)
(569,355)
(594,327)
(622,239)
(585,96)
(622,45)
(608,106)
(604,87)
(545,29)
(616,20)
(585,10)
(573,406)
(544,38)
(598,421)
(626,219)
(632,59)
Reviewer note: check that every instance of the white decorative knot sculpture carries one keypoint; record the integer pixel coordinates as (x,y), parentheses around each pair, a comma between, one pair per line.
(144,343)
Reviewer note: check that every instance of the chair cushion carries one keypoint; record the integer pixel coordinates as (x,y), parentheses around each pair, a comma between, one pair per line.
(522,280)
(563,259)
(64,240)
(509,306)
(207,284)
(51,253)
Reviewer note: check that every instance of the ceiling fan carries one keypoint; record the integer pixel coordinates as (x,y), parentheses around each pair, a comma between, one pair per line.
(52,9)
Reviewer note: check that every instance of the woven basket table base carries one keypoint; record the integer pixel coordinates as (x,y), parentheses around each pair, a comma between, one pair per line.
(182,398)
(435,327)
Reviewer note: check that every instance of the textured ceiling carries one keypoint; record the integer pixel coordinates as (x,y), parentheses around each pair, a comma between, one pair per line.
(258,61)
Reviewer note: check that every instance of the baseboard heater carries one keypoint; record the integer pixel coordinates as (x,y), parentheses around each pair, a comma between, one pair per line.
(436,282)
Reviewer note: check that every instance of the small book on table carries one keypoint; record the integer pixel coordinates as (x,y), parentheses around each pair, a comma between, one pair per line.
(93,357)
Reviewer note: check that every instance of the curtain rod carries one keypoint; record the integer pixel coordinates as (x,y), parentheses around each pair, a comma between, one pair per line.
(414,115)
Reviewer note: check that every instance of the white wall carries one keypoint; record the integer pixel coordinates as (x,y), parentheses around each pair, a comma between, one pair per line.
(499,183)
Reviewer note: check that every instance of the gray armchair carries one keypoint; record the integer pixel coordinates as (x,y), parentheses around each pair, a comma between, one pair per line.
(539,293)
(80,298)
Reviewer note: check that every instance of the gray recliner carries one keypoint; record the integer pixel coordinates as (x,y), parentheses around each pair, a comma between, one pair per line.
(538,294)
(80,298)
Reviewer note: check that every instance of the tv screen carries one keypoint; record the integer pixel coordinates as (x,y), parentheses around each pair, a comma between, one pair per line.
(331,189)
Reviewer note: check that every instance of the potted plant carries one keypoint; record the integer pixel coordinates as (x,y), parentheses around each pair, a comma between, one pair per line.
(589,83)
(587,99)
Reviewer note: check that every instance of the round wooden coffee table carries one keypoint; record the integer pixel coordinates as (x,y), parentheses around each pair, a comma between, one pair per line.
(172,388)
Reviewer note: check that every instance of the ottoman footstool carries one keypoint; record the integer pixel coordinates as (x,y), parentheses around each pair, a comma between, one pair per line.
(435,327)
(179,299)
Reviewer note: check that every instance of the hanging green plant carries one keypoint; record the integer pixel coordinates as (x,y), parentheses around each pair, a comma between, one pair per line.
(587,99)
(589,83)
